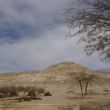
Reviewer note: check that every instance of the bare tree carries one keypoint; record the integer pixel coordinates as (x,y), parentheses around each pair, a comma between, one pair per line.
(88,79)
(91,19)
(82,78)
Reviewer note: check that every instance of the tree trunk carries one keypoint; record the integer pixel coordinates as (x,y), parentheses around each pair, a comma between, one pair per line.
(86,88)
(81,89)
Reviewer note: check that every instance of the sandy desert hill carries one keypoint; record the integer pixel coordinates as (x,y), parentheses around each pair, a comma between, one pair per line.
(57,71)
(63,97)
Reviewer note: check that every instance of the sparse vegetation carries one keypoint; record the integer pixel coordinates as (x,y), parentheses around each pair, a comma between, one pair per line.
(83,78)
(32,92)
(12,91)
(58,96)
(47,94)
(8,91)
(40,90)
(21,91)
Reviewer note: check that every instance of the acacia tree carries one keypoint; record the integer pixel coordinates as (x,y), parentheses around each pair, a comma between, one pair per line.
(88,79)
(82,78)
(91,19)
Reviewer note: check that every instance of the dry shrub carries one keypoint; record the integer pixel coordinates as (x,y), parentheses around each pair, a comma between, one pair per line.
(4,90)
(32,92)
(27,99)
(11,91)
(23,93)
(40,90)
(20,88)
(47,94)
(8,91)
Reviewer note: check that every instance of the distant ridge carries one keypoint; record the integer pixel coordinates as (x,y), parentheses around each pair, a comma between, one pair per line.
(106,70)
(58,71)
(64,64)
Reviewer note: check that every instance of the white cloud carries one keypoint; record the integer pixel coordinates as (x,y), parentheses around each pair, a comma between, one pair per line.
(38,13)
(48,44)
(39,53)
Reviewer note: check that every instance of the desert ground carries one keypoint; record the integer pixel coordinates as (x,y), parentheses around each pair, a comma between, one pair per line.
(63,96)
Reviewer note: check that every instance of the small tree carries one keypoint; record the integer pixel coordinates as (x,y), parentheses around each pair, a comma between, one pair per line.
(83,78)
(88,79)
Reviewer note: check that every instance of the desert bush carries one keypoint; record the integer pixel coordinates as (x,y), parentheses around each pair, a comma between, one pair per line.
(28,88)
(27,98)
(5,91)
(47,94)
(20,88)
(9,91)
(32,92)
(40,90)
(13,91)
(2,95)
(22,91)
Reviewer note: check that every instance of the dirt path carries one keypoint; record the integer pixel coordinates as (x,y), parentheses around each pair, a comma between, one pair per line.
(35,106)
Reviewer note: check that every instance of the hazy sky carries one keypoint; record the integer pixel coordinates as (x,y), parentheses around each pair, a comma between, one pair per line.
(31,37)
